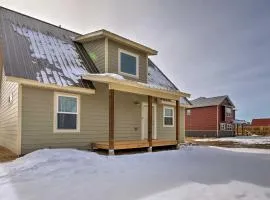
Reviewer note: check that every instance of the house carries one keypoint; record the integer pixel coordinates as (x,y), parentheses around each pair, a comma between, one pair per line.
(260,122)
(210,117)
(63,89)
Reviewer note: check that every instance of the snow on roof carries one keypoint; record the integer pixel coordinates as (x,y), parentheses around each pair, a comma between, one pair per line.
(121,78)
(157,79)
(39,51)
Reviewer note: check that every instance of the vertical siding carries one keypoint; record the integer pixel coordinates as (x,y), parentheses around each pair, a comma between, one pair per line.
(97,48)
(170,132)
(9,115)
(113,60)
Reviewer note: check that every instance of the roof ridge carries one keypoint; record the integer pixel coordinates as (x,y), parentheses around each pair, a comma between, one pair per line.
(28,16)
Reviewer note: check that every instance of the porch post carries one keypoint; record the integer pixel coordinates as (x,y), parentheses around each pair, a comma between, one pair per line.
(111,122)
(150,123)
(177,122)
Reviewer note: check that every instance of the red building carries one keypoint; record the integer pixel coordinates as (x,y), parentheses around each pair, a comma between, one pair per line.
(210,117)
(261,122)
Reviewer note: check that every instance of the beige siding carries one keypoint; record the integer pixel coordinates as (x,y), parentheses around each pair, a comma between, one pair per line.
(113,60)
(169,132)
(38,118)
(96,48)
(128,115)
(37,121)
(9,115)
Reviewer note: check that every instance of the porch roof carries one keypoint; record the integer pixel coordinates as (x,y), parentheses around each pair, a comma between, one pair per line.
(117,82)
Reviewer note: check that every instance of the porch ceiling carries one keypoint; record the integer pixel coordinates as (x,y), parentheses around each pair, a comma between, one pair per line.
(116,82)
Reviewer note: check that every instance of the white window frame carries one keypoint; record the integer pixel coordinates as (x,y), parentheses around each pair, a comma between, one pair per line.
(223,126)
(164,108)
(229,127)
(78,125)
(226,113)
(188,112)
(119,63)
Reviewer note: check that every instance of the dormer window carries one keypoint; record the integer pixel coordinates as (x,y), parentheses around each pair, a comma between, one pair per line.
(128,63)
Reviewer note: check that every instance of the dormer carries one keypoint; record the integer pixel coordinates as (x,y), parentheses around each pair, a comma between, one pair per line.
(112,53)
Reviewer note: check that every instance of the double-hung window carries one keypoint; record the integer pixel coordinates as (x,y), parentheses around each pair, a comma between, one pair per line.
(228,112)
(168,116)
(128,63)
(67,116)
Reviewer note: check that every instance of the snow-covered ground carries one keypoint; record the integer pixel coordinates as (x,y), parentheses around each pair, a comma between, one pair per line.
(240,139)
(189,173)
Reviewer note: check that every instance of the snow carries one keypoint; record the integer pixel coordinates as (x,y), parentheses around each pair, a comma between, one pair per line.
(190,173)
(111,75)
(240,139)
(56,55)
(157,79)
(121,78)
(244,150)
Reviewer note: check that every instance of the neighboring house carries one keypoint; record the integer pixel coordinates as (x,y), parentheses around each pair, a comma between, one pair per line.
(260,122)
(210,117)
(63,89)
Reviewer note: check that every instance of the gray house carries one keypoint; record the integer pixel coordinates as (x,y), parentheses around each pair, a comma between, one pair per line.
(98,90)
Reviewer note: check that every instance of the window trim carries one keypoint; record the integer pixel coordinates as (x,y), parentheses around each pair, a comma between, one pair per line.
(164,108)
(223,126)
(231,127)
(119,63)
(188,112)
(55,129)
(228,114)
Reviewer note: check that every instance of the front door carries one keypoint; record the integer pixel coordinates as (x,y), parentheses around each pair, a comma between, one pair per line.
(145,121)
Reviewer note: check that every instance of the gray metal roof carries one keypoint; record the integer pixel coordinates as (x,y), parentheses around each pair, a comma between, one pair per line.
(36,50)
(211,101)
(157,78)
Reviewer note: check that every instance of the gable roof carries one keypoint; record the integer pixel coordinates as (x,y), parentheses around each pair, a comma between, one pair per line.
(40,51)
(211,101)
(112,36)
(261,122)
(36,50)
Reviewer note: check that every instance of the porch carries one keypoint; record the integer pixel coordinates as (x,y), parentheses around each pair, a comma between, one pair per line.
(133,144)
(145,111)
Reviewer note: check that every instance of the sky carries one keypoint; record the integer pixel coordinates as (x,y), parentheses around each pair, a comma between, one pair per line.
(206,47)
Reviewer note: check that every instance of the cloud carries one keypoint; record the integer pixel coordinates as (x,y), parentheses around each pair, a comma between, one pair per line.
(207,48)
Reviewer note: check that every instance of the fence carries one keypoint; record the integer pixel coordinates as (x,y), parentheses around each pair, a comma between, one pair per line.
(249,130)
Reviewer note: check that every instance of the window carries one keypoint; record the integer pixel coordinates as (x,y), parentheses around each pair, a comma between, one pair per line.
(188,112)
(229,127)
(128,63)
(168,117)
(222,126)
(228,112)
(67,113)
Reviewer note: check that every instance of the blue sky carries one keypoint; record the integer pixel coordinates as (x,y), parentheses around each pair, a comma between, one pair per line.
(206,47)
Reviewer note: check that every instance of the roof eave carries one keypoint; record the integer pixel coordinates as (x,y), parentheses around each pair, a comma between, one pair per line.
(104,33)
(132,86)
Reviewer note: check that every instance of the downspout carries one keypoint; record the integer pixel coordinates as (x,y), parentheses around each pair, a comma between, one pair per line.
(217,122)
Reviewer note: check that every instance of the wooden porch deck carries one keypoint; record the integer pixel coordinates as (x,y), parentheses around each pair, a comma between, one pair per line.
(133,144)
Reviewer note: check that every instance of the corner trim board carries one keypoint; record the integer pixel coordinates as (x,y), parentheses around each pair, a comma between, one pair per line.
(106,55)
(19,138)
